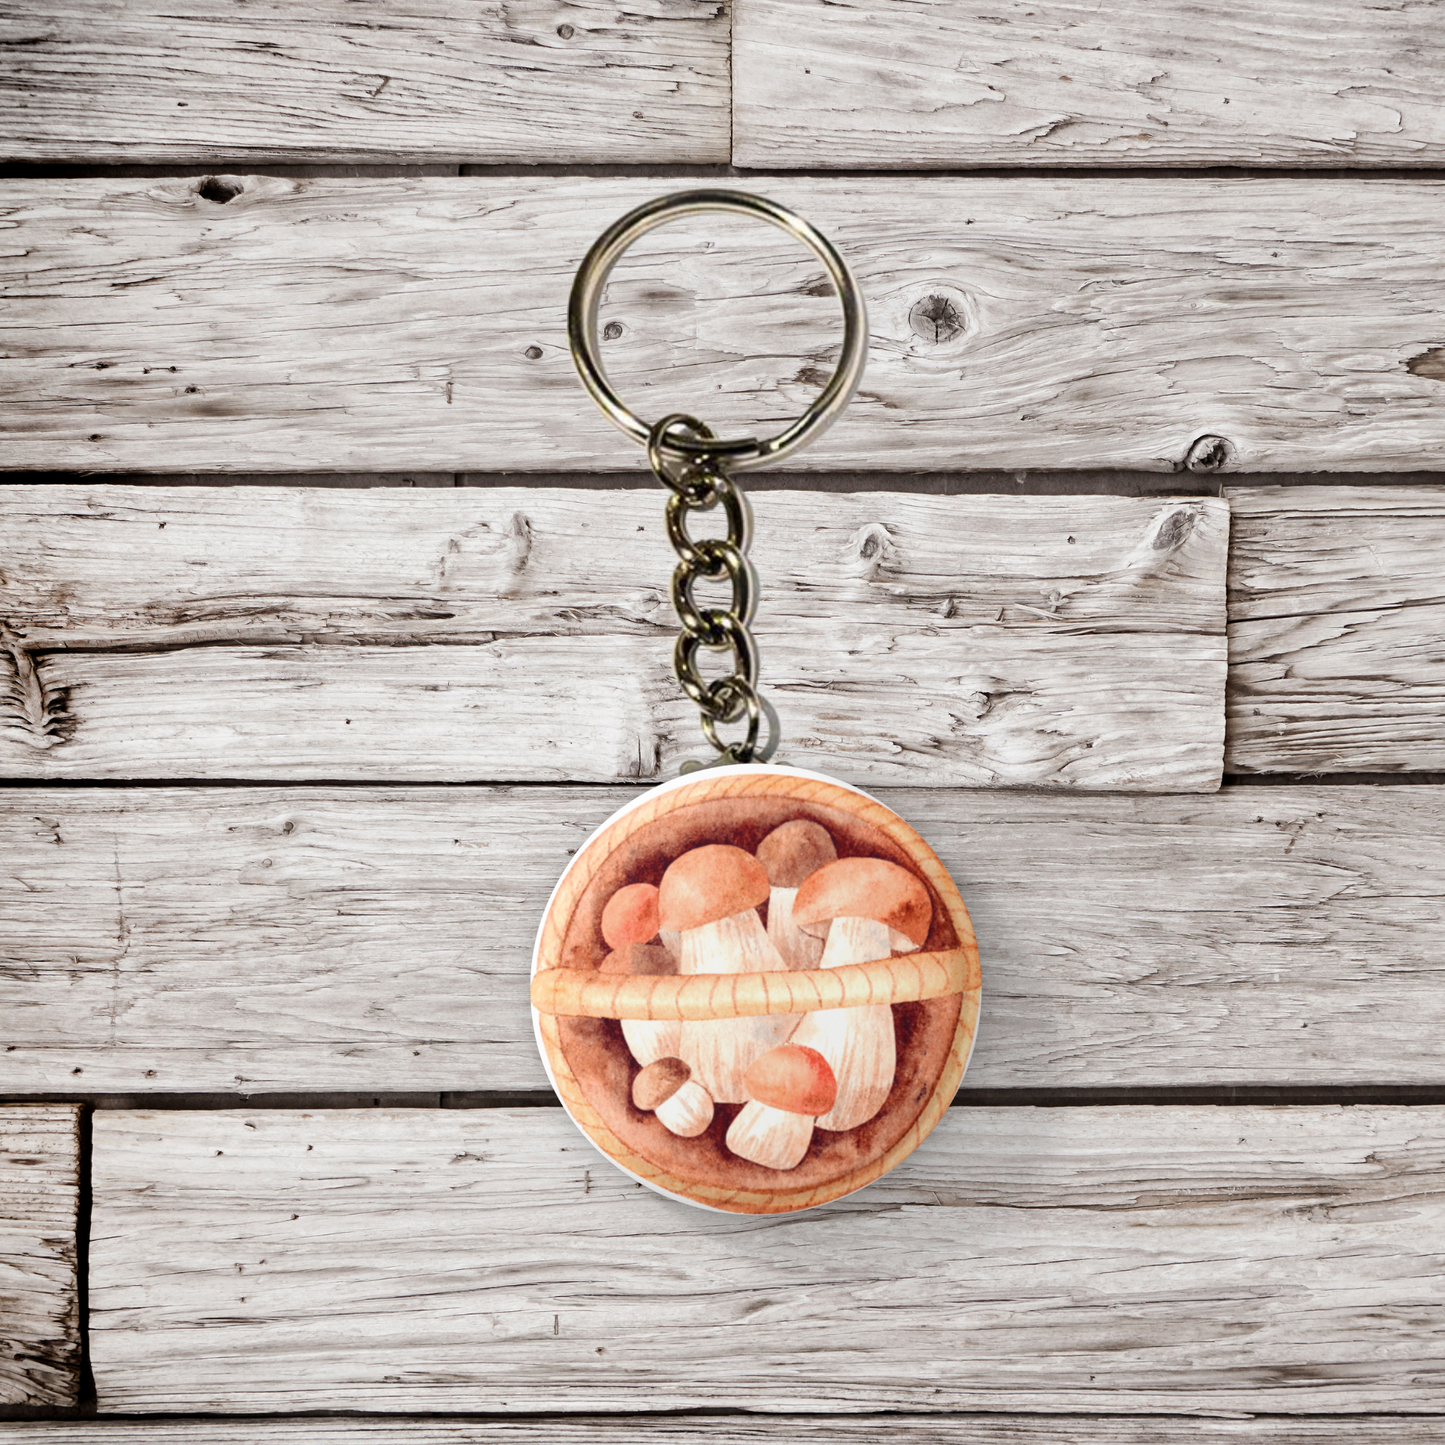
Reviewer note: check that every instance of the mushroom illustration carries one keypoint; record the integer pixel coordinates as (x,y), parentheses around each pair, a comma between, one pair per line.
(789,1086)
(710,895)
(791,853)
(630,915)
(865,908)
(666,1088)
(629,921)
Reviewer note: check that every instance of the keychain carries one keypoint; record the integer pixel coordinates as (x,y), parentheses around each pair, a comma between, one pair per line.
(754,988)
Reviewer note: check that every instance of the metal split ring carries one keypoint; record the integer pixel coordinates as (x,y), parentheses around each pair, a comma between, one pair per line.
(737,452)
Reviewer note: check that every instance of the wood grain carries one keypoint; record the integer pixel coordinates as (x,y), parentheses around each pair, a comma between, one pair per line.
(934,1429)
(1337,630)
(1141,1259)
(39,1299)
(263,939)
(571,81)
(918,83)
(366,325)
(526,634)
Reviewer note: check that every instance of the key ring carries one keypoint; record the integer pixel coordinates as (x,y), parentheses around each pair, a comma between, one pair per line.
(738,452)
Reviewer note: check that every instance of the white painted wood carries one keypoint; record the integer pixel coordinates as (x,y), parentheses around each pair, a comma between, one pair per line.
(934,1429)
(918,83)
(526,634)
(39,1302)
(252,940)
(529,80)
(419,324)
(1169,1260)
(1337,629)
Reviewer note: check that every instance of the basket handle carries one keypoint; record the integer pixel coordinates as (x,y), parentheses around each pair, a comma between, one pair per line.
(586,993)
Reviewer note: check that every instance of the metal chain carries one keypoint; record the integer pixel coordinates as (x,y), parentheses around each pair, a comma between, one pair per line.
(700,484)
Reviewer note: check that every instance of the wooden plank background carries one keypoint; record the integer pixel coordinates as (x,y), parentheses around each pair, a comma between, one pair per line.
(39,1296)
(940,83)
(272,633)
(1337,629)
(278,939)
(272,912)
(372,324)
(1184,1259)
(541,80)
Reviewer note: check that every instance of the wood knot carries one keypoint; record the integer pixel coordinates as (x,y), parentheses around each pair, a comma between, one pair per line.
(1174,529)
(1209,454)
(219,189)
(939,317)
(30,705)
(870,550)
(518,536)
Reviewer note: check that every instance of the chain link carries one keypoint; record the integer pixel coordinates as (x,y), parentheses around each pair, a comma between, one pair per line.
(699,485)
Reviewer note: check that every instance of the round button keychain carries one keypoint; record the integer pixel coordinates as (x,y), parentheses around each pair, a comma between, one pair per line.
(755,988)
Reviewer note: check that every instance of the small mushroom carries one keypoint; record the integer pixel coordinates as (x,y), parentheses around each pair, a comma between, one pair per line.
(789,1087)
(865,908)
(792,853)
(629,922)
(666,1088)
(710,895)
(630,915)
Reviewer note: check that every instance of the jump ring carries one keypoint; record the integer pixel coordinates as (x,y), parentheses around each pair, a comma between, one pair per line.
(696,487)
(746,750)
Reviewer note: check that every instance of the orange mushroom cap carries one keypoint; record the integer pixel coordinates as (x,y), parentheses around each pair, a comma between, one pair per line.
(794,851)
(630,915)
(864,888)
(708,883)
(794,1078)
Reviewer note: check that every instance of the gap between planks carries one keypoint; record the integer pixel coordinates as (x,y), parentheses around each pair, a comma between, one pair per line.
(737,1429)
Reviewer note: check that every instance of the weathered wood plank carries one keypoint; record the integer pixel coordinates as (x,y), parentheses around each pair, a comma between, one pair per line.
(1337,629)
(528,80)
(1143,1259)
(917,83)
(419,324)
(526,634)
(39,1300)
(250,940)
(938,1429)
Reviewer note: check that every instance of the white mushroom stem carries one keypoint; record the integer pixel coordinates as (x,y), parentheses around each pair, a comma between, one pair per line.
(799,949)
(720,1051)
(671,939)
(858,1043)
(649,1040)
(688,1112)
(774,1138)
